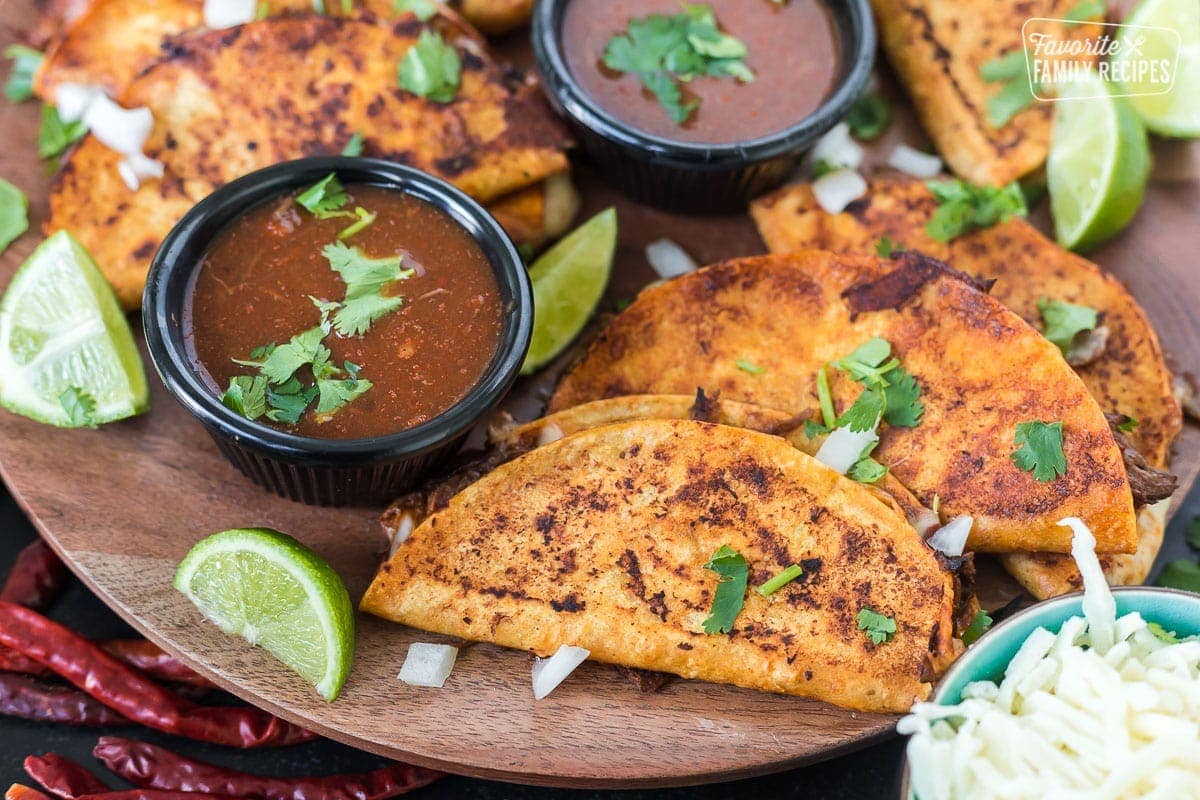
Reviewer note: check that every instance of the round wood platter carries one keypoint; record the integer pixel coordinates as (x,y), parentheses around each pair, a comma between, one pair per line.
(123,504)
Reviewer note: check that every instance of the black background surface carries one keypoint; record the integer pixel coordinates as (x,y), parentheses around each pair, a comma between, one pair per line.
(867,775)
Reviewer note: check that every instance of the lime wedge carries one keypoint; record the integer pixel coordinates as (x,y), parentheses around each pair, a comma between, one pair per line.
(67,356)
(568,281)
(1098,165)
(274,592)
(1175,112)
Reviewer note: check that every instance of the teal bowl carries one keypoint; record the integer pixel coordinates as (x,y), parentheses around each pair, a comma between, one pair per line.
(990,655)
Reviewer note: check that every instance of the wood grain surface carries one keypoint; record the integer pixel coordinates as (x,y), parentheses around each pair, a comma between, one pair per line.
(123,505)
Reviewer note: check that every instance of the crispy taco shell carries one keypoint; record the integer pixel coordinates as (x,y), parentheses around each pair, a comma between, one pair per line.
(599,539)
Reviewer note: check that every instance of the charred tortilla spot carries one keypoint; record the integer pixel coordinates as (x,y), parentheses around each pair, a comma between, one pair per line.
(571,604)
(898,286)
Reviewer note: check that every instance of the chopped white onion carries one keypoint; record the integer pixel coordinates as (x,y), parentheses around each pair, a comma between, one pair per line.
(122,129)
(428,664)
(843,447)
(836,190)
(403,529)
(837,149)
(951,538)
(227,13)
(668,259)
(138,167)
(548,434)
(72,100)
(913,162)
(548,673)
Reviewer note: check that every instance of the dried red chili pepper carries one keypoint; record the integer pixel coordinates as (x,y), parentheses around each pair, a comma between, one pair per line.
(28,698)
(153,794)
(15,662)
(149,658)
(37,578)
(62,777)
(132,694)
(19,792)
(153,767)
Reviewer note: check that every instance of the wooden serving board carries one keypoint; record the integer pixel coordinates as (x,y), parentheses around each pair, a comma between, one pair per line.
(122,505)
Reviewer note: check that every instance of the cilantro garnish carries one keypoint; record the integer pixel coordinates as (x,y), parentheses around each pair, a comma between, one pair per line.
(963,207)
(1162,634)
(731,589)
(750,366)
(421,9)
(325,198)
(867,470)
(333,394)
(364,278)
(902,407)
(879,627)
(282,362)
(865,413)
(431,68)
(871,365)
(869,117)
(1064,321)
(886,248)
(665,51)
(783,578)
(1180,574)
(978,627)
(54,135)
(365,218)
(354,147)
(1040,450)
(247,395)
(825,399)
(80,407)
(813,429)
(25,63)
(1127,424)
(1015,95)
(262,10)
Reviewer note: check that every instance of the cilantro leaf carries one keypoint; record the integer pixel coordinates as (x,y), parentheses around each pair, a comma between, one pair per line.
(869,116)
(749,366)
(979,626)
(288,401)
(333,394)
(431,69)
(365,218)
(1064,321)
(354,147)
(781,579)
(80,407)
(423,10)
(886,248)
(1040,450)
(1162,634)
(1181,574)
(247,395)
(879,627)
(731,589)
(869,363)
(54,135)
(813,429)
(303,348)
(356,315)
(667,50)
(867,470)
(25,63)
(963,207)
(362,274)
(1127,424)
(864,415)
(1017,92)
(902,407)
(325,198)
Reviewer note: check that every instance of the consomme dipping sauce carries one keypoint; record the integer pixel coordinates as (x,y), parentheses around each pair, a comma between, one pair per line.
(343,312)
(786,65)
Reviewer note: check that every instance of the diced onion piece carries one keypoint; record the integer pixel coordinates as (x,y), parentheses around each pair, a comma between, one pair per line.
(836,190)
(227,13)
(668,259)
(843,447)
(951,538)
(404,529)
(1088,347)
(548,434)
(72,100)
(913,162)
(122,129)
(837,149)
(548,673)
(924,520)
(136,168)
(428,664)
(1099,607)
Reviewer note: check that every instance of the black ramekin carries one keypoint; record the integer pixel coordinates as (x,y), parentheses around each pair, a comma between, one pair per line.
(329,471)
(689,176)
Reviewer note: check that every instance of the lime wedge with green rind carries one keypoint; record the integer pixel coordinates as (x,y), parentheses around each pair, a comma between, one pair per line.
(1170,34)
(274,592)
(568,281)
(63,331)
(1098,165)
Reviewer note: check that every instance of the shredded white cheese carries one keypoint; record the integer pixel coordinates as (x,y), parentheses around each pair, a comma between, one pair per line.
(1103,710)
